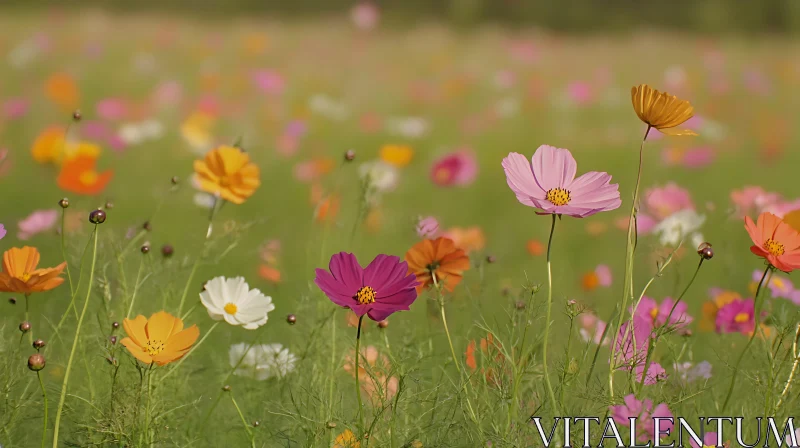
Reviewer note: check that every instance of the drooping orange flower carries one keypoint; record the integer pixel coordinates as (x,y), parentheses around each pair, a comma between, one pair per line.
(62,90)
(327,208)
(492,356)
(228,172)
(439,257)
(374,372)
(20,274)
(661,110)
(471,239)
(775,241)
(79,175)
(160,339)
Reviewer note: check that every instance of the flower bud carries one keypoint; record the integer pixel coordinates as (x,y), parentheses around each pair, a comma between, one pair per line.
(12,300)
(25,327)
(491,259)
(113,340)
(175,180)
(705,251)
(167,250)
(36,362)
(38,344)
(115,325)
(145,249)
(349,155)
(291,319)
(97,216)
(226,388)
(63,202)
(76,115)
(383,324)
(146,226)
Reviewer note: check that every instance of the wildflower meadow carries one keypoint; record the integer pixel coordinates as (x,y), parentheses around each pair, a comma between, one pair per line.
(343,232)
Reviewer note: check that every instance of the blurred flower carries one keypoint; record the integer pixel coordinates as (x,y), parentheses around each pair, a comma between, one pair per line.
(269,273)
(459,168)
(346,440)
(268,81)
(471,239)
(382,288)
(719,298)
(137,133)
(664,313)
(780,287)
(411,127)
(680,225)
(37,222)
(644,413)
(196,130)
(327,207)
(380,175)
(233,300)
(397,155)
(661,202)
(644,223)
(228,172)
(2,231)
(439,257)
(20,274)
(535,247)
(49,145)
(737,316)
(327,107)
(775,241)
(655,373)
(168,93)
(661,110)
(600,276)
(15,108)
(62,90)
(633,345)
(548,183)
(691,373)
(365,15)
(595,228)
(79,175)
(111,109)
(313,169)
(752,197)
(580,93)
(492,356)
(427,227)
(261,361)
(270,251)
(160,339)
(688,157)
(592,329)
(375,374)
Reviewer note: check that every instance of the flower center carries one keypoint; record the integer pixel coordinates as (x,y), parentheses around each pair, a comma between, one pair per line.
(742,318)
(654,313)
(25,277)
(154,347)
(231,308)
(774,247)
(224,182)
(88,177)
(558,196)
(365,295)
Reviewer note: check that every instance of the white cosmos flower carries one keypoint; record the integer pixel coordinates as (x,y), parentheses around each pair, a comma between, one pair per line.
(381,175)
(233,300)
(679,225)
(261,361)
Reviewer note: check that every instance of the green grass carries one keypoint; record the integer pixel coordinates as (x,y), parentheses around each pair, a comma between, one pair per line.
(374,74)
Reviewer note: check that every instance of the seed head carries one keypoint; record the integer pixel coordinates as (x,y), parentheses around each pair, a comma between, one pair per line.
(226,388)
(349,155)
(175,180)
(36,362)
(145,248)
(25,327)
(12,300)
(291,319)
(63,202)
(520,305)
(97,216)
(115,325)
(113,340)
(705,251)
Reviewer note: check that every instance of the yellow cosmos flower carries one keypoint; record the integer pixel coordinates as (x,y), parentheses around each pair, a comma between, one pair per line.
(160,339)
(228,172)
(196,129)
(346,440)
(21,276)
(50,147)
(397,155)
(661,110)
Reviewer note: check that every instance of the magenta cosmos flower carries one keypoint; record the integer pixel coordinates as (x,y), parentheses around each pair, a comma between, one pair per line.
(644,412)
(651,310)
(548,183)
(380,289)
(736,317)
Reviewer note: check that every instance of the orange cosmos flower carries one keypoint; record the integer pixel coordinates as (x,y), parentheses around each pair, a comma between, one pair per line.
(228,172)
(62,89)
(79,175)
(21,276)
(397,155)
(775,241)
(375,372)
(492,354)
(160,339)
(49,145)
(470,239)
(661,110)
(269,273)
(346,440)
(535,247)
(440,257)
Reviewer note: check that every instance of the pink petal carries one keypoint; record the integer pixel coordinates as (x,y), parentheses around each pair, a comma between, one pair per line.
(553,167)
(520,179)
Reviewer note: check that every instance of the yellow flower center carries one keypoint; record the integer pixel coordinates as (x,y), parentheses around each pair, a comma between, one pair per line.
(88,177)
(774,247)
(25,276)
(154,347)
(365,295)
(224,182)
(654,313)
(742,318)
(231,308)
(558,196)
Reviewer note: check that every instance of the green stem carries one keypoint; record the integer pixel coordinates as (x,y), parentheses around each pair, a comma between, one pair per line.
(550,392)
(146,431)
(630,249)
(244,423)
(135,287)
(75,341)
(749,341)
(217,205)
(28,318)
(44,394)
(358,384)
(566,362)
(64,250)
(444,319)
(332,369)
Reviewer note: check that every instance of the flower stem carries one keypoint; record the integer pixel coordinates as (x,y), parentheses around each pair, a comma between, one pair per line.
(244,422)
(630,249)
(214,209)
(27,317)
(358,385)
(332,369)
(135,288)
(550,392)
(749,341)
(64,250)
(146,431)
(796,356)
(444,318)
(44,394)
(75,342)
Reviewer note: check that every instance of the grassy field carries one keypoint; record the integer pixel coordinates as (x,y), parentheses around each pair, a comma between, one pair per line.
(155,93)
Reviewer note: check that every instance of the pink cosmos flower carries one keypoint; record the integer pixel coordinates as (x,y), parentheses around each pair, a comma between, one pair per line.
(2,231)
(37,222)
(459,168)
(658,314)
(688,158)
(781,208)
(736,317)
(580,93)
(380,289)
(655,373)
(592,328)
(632,346)
(548,183)
(168,93)
(752,197)
(644,412)
(112,109)
(15,108)
(268,81)
(365,15)
(603,272)
(662,202)
(427,227)
(780,287)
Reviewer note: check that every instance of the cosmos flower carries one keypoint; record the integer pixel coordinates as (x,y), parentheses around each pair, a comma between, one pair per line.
(160,339)
(427,227)
(661,110)
(691,373)
(262,361)
(491,355)
(592,329)
(380,289)
(79,175)
(61,89)
(111,109)
(346,440)
(644,412)
(633,346)
(471,239)
(37,222)
(737,316)
(196,130)
(680,225)
(780,287)
(600,276)
(233,300)
(228,172)
(535,247)
(314,169)
(459,168)
(658,313)
(661,202)
(655,373)
(750,198)
(719,298)
(439,257)
(548,183)
(775,241)
(397,155)
(2,231)
(20,274)
(376,376)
